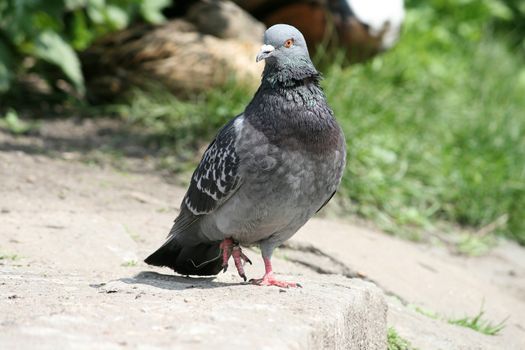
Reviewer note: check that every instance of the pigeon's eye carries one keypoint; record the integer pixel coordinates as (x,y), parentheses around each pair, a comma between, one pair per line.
(288,43)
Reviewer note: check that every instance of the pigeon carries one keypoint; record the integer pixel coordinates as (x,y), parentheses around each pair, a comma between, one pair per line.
(266,173)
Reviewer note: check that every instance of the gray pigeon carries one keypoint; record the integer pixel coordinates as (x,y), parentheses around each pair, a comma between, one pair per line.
(268,171)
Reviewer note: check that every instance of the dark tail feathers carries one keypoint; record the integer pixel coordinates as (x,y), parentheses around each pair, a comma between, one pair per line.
(203,259)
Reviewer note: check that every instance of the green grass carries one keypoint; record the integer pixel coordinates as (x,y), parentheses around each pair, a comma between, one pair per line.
(435,128)
(180,128)
(435,131)
(424,311)
(475,245)
(478,324)
(396,342)
(443,139)
(184,124)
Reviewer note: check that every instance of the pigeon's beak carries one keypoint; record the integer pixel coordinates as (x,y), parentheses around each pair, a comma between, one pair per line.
(266,51)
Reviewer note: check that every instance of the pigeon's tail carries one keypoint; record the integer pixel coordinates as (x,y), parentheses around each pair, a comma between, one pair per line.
(203,259)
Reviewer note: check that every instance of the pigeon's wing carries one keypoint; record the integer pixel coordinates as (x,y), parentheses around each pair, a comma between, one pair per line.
(214,181)
(340,171)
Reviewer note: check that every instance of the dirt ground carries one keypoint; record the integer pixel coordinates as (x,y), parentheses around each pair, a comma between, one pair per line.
(81,205)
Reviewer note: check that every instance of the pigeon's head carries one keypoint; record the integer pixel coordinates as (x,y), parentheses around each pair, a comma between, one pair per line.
(283,45)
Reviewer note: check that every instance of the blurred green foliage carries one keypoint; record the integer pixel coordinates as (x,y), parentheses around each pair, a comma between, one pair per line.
(181,125)
(15,125)
(51,31)
(435,127)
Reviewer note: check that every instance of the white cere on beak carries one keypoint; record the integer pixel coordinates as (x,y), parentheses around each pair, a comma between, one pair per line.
(265,52)
(267,48)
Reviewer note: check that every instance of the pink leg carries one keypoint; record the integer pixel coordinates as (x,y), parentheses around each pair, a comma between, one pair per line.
(269,280)
(240,259)
(226,247)
(229,248)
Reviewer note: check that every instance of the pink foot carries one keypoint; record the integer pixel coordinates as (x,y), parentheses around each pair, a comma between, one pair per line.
(229,248)
(269,280)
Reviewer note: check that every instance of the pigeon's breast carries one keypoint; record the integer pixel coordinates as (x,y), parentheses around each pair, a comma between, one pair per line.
(281,187)
(297,119)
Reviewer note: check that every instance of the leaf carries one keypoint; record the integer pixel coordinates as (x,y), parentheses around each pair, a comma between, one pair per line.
(50,47)
(117,17)
(151,10)
(95,10)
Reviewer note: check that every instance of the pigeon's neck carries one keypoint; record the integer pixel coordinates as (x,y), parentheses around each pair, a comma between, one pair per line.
(291,87)
(290,75)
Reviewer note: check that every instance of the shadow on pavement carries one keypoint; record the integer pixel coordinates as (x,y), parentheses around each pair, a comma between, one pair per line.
(173,282)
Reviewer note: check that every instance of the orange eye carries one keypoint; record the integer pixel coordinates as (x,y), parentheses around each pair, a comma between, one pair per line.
(288,43)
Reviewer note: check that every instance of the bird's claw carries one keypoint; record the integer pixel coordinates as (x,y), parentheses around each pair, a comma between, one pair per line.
(229,249)
(243,277)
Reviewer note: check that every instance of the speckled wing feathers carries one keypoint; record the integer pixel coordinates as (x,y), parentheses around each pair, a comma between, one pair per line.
(216,177)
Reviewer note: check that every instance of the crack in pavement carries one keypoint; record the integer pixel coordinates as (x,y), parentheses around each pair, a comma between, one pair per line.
(345,270)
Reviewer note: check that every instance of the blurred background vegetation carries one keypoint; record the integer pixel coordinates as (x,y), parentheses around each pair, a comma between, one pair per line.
(435,127)
(53,31)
